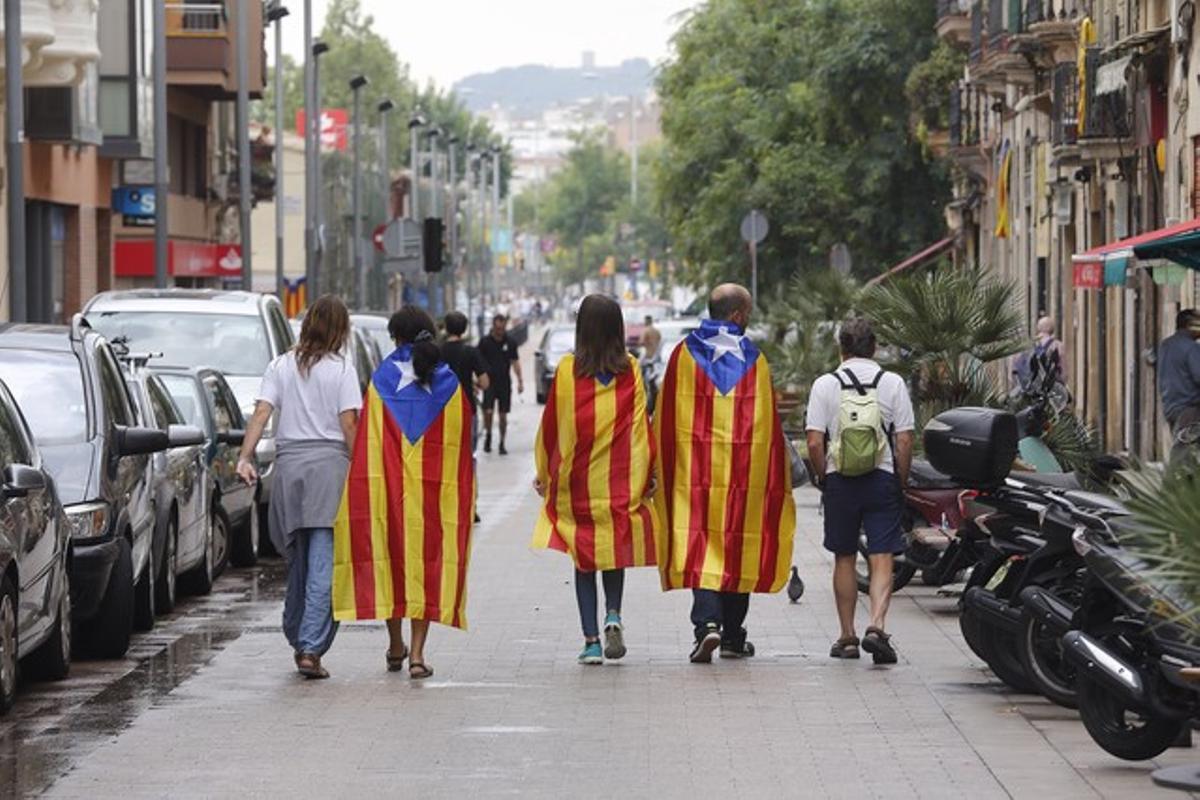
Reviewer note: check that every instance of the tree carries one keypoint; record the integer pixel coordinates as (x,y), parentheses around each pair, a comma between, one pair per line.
(797,108)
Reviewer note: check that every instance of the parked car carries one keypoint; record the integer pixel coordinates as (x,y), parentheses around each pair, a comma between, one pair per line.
(375,326)
(237,333)
(35,589)
(181,488)
(206,401)
(72,391)
(673,332)
(557,341)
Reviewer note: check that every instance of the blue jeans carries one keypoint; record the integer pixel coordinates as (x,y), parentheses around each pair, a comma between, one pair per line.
(308,607)
(727,610)
(585,594)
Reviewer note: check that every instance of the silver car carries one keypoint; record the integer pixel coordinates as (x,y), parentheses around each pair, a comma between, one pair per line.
(236,333)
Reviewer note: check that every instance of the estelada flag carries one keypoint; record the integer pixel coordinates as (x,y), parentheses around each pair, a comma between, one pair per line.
(728,512)
(402,540)
(595,455)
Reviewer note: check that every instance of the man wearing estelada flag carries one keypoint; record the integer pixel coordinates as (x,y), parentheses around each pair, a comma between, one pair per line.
(402,539)
(729,517)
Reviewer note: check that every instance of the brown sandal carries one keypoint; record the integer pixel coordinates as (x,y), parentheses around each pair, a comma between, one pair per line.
(309,666)
(396,663)
(846,647)
(418,671)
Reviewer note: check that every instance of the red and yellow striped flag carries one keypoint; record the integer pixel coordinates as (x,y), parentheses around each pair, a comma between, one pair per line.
(402,540)
(728,512)
(595,455)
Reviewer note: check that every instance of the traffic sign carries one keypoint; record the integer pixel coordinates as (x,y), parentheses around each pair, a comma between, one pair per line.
(402,239)
(840,260)
(755,227)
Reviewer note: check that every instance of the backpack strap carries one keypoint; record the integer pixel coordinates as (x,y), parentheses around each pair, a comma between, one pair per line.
(855,383)
(875,383)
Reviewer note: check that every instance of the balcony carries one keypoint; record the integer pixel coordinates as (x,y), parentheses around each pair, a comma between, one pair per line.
(1106,119)
(953,23)
(1064,114)
(1054,24)
(970,128)
(201,48)
(977,25)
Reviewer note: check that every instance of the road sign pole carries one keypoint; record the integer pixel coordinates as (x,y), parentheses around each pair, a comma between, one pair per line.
(754,271)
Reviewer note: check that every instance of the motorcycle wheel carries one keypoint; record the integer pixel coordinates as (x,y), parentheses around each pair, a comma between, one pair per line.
(1122,731)
(1041,654)
(1000,651)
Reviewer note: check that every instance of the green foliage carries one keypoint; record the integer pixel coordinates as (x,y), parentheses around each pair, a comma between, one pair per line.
(1166,508)
(927,87)
(796,107)
(1073,443)
(801,321)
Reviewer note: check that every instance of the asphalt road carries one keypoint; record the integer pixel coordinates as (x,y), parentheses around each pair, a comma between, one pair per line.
(208,705)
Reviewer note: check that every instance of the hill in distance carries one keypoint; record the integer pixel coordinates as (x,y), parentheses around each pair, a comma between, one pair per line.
(533,88)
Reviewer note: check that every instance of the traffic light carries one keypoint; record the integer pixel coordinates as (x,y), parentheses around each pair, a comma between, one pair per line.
(433,245)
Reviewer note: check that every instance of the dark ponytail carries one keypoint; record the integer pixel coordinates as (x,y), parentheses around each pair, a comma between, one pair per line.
(413,326)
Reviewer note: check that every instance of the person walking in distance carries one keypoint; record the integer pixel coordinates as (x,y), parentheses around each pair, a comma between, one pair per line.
(465,360)
(651,341)
(1179,379)
(403,531)
(500,353)
(860,440)
(315,390)
(727,507)
(595,469)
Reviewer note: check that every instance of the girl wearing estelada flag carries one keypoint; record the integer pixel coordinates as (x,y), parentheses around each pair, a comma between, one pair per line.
(595,469)
(403,534)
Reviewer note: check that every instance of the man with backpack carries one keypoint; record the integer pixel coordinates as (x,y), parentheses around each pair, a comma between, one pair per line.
(860,441)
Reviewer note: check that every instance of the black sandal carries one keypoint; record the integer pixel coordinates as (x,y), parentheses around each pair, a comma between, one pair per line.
(846,647)
(418,671)
(396,663)
(879,645)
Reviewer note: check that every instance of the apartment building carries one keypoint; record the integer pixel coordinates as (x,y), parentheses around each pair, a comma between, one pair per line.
(1074,150)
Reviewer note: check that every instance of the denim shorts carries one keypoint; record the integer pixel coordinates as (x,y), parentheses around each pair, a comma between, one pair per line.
(871,503)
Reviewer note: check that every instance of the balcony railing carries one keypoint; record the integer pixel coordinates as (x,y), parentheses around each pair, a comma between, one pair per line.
(977,25)
(1064,122)
(1034,12)
(995,22)
(969,110)
(200,20)
(1106,116)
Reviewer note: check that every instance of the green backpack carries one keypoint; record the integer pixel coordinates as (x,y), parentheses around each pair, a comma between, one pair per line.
(862,438)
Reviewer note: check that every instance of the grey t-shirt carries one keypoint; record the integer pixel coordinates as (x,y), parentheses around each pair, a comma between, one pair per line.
(1179,373)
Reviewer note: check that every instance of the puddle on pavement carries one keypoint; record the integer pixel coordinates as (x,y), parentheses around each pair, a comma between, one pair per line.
(56,724)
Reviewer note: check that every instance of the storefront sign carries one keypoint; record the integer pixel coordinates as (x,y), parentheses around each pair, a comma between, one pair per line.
(1089,275)
(335,122)
(135,204)
(134,258)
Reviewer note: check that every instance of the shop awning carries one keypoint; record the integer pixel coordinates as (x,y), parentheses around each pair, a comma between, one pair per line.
(928,254)
(1105,265)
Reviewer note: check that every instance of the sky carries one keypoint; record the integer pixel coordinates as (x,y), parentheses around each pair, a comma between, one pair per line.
(504,33)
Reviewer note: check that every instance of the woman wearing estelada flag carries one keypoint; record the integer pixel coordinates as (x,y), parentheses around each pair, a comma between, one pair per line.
(403,535)
(595,469)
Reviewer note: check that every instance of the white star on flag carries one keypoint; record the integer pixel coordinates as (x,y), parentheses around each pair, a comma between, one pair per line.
(725,342)
(408,377)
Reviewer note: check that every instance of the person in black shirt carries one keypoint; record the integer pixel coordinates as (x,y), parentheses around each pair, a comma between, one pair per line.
(499,352)
(464,359)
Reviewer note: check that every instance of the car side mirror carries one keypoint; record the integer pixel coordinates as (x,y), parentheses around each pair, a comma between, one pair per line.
(141,441)
(234,437)
(185,436)
(20,480)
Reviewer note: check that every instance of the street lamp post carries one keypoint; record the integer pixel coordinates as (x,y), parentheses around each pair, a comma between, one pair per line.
(14,180)
(633,148)
(484,227)
(452,211)
(436,282)
(275,14)
(161,185)
(472,164)
(319,49)
(414,132)
(243,138)
(311,181)
(385,106)
(495,204)
(360,272)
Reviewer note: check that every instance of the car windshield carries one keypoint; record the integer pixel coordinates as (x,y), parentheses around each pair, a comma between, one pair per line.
(184,392)
(233,344)
(49,389)
(561,342)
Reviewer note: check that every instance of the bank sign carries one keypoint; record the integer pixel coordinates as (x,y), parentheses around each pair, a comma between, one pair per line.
(135,204)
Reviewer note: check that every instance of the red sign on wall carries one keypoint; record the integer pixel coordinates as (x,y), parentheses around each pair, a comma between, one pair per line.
(1089,275)
(335,122)
(134,258)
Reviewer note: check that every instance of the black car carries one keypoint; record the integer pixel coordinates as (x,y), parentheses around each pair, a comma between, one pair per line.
(556,343)
(206,401)
(182,489)
(35,589)
(72,391)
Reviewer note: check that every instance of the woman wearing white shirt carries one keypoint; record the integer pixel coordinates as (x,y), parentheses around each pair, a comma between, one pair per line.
(315,390)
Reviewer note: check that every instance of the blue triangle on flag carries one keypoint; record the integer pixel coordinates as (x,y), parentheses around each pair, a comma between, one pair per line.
(414,407)
(709,345)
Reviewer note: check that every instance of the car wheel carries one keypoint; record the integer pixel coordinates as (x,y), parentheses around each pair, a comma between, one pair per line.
(165,589)
(52,660)
(220,541)
(243,549)
(107,636)
(200,579)
(266,548)
(143,594)
(8,644)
